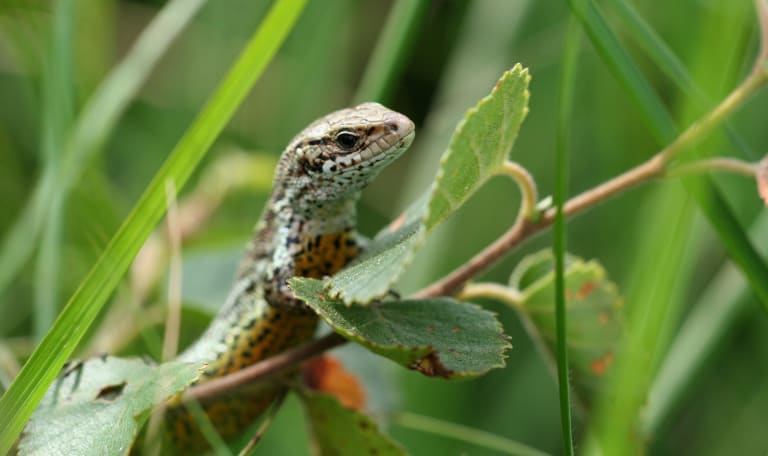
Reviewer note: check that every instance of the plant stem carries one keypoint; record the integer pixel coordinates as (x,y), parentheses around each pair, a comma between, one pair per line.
(250,447)
(491,290)
(527,186)
(263,369)
(206,427)
(727,164)
(565,111)
(735,99)
(523,230)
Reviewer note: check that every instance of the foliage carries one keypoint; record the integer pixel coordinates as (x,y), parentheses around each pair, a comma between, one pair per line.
(643,75)
(438,337)
(337,430)
(595,316)
(98,406)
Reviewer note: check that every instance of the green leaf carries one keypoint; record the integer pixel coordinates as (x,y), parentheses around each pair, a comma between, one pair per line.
(437,337)
(339,431)
(477,151)
(98,407)
(28,388)
(595,317)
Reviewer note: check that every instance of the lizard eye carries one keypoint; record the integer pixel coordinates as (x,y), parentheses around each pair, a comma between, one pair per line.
(347,140)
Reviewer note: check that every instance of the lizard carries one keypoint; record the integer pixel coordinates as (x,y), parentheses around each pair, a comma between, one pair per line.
(307,229)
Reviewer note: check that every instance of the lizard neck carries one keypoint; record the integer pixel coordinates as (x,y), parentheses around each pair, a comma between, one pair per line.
(298,237)
(293,214)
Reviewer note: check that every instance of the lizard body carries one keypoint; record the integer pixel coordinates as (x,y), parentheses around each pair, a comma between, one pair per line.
(307,229)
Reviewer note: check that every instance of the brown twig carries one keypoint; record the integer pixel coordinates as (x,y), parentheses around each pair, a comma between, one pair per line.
(264,369)
(654,167)
(523,229)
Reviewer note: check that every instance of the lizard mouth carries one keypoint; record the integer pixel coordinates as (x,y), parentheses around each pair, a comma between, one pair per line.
(384,146)
(396,134)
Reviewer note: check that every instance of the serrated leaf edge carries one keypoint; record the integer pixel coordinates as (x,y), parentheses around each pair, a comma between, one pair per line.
(427,350)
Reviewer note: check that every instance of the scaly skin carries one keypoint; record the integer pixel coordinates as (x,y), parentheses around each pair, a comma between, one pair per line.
(307,230)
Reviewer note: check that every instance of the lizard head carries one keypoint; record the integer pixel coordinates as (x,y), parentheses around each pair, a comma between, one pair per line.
(339,154)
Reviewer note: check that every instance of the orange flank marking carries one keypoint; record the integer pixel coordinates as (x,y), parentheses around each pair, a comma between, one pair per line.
(585,290)
(455,329)
(275,333)
(604,318)
(600,365)
(430,329)
(325,255)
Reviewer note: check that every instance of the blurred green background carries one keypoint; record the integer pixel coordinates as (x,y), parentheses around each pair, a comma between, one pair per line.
(459,50)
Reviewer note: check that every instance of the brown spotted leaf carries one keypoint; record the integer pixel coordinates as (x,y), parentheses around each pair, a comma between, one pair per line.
(99,405)
(339,431)
(327,374)
(594,312)
(437,337)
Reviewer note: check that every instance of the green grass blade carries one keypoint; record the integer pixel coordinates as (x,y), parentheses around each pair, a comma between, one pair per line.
(57,108)
(663,56)
(37,374)
(565,109)
(715,313)
(724,302)
(392,50)
(656,280)
(732,235)
(657,49)
(92,127)
(648,323)
(464,434)
(24,44)
(653,111)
